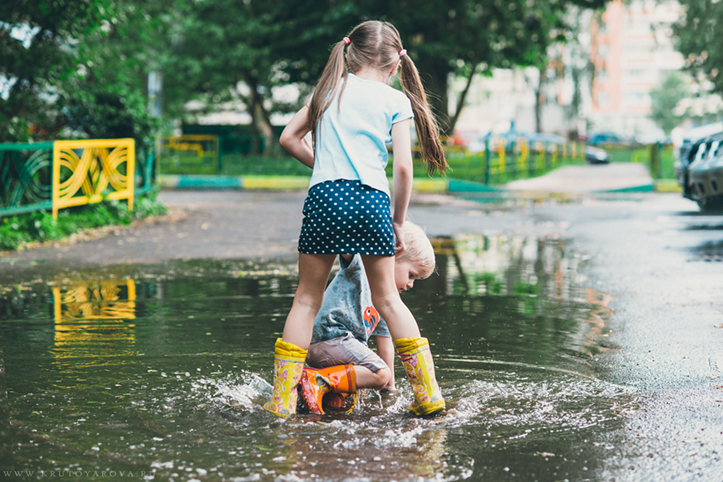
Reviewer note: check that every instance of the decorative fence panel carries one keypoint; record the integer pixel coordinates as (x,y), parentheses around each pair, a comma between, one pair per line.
(94,317)
(85,171)
(189,154)
(25,177)
(60,174)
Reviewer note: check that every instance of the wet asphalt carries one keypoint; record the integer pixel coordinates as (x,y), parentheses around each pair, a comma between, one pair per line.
(658,257)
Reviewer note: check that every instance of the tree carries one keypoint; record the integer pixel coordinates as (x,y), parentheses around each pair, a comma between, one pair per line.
(107,94)
(37,39)
(443,37)
(697,35)
(225,43)
(664,100)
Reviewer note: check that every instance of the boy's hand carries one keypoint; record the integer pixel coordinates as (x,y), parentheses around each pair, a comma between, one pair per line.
(399,245)
(389,387)
(385,350)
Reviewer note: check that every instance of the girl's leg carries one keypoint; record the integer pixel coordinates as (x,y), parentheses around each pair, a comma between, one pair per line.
(314,270)
(290,350)
(386,299)
(412,349)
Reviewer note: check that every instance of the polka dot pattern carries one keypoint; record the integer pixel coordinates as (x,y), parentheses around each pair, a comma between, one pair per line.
(346,217)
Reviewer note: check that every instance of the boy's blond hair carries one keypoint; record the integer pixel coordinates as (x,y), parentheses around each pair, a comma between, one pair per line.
(418,249)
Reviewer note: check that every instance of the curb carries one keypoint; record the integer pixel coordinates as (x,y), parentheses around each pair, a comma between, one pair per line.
(667,185)
(640,188)
(300,183)
(269,183)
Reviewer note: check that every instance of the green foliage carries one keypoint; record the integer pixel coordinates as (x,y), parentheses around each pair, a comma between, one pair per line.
(103,110)
(698,35)
(664,100)
(235,165)
(40,226)
(442,36)
(36,55)
(84,72)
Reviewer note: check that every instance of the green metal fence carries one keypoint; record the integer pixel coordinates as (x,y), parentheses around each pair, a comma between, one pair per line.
(26,180)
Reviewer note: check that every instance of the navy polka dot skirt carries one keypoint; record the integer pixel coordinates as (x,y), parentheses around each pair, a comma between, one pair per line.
(346,217)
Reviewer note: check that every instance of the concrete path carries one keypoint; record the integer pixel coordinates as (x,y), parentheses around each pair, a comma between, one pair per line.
(588,178)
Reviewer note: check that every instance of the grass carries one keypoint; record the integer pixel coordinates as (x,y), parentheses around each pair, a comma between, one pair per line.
(237,165)
(462,166)
(18,231)
(643,155)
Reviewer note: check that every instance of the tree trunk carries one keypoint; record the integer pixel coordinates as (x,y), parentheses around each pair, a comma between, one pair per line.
(462,97)
(261,121)
(539,100)
(434,74)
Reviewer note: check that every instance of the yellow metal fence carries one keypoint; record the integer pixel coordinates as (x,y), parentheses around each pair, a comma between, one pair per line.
(190,154)
(90,171)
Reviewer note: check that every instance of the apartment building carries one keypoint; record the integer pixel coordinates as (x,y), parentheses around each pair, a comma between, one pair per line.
(632,51)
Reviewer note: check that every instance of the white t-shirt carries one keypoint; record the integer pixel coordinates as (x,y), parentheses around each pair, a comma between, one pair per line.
(351,140)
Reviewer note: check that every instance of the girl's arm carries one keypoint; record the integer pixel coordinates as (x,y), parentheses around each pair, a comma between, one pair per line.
(402,169)
(385,350)
(293,138)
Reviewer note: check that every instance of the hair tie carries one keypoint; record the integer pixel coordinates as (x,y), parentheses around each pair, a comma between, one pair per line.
(347,40)
(403,52)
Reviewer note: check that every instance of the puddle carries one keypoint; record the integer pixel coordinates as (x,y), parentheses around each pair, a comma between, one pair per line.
(159,373)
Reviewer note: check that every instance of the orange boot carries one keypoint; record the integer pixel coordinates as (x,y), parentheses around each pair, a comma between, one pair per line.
(315,382)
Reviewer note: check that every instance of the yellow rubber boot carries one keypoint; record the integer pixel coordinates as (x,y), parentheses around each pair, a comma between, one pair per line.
(316,382)
(288,367)
(417,361)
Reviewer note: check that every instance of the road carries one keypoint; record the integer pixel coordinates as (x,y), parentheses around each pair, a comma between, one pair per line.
(659,258)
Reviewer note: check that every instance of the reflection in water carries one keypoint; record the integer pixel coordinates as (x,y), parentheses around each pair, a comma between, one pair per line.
(166,374)
(91,318)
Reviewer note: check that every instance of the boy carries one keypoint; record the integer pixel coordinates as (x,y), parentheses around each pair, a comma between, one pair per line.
(340,360)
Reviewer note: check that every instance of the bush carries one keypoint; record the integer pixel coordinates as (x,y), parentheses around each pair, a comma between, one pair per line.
(19,230)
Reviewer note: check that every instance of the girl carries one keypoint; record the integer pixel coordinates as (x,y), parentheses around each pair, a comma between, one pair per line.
(351,117)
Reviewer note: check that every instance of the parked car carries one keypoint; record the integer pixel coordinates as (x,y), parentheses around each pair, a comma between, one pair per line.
(693,147)
(607,138)
(705,173)
(595,155)
(683,142)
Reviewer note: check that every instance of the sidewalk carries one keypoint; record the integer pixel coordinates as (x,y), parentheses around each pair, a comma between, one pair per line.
(615,177)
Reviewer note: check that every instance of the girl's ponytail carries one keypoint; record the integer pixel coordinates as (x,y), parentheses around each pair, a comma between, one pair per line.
(334,71)
(424,121)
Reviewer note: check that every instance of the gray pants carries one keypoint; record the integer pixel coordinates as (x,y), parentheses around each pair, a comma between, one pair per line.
(343,350)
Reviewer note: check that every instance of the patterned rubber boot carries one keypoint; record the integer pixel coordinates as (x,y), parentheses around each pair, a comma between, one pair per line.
(316,382)
(417,361)
(288,367)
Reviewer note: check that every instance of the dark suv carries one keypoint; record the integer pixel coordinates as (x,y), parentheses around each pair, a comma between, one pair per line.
(698,172)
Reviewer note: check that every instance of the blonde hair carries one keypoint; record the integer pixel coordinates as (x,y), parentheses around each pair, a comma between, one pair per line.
(377,44)
(418,249)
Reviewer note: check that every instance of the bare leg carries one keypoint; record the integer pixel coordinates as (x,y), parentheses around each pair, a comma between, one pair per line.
(386,299)
(411,348)
(365,378)
(314,272)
